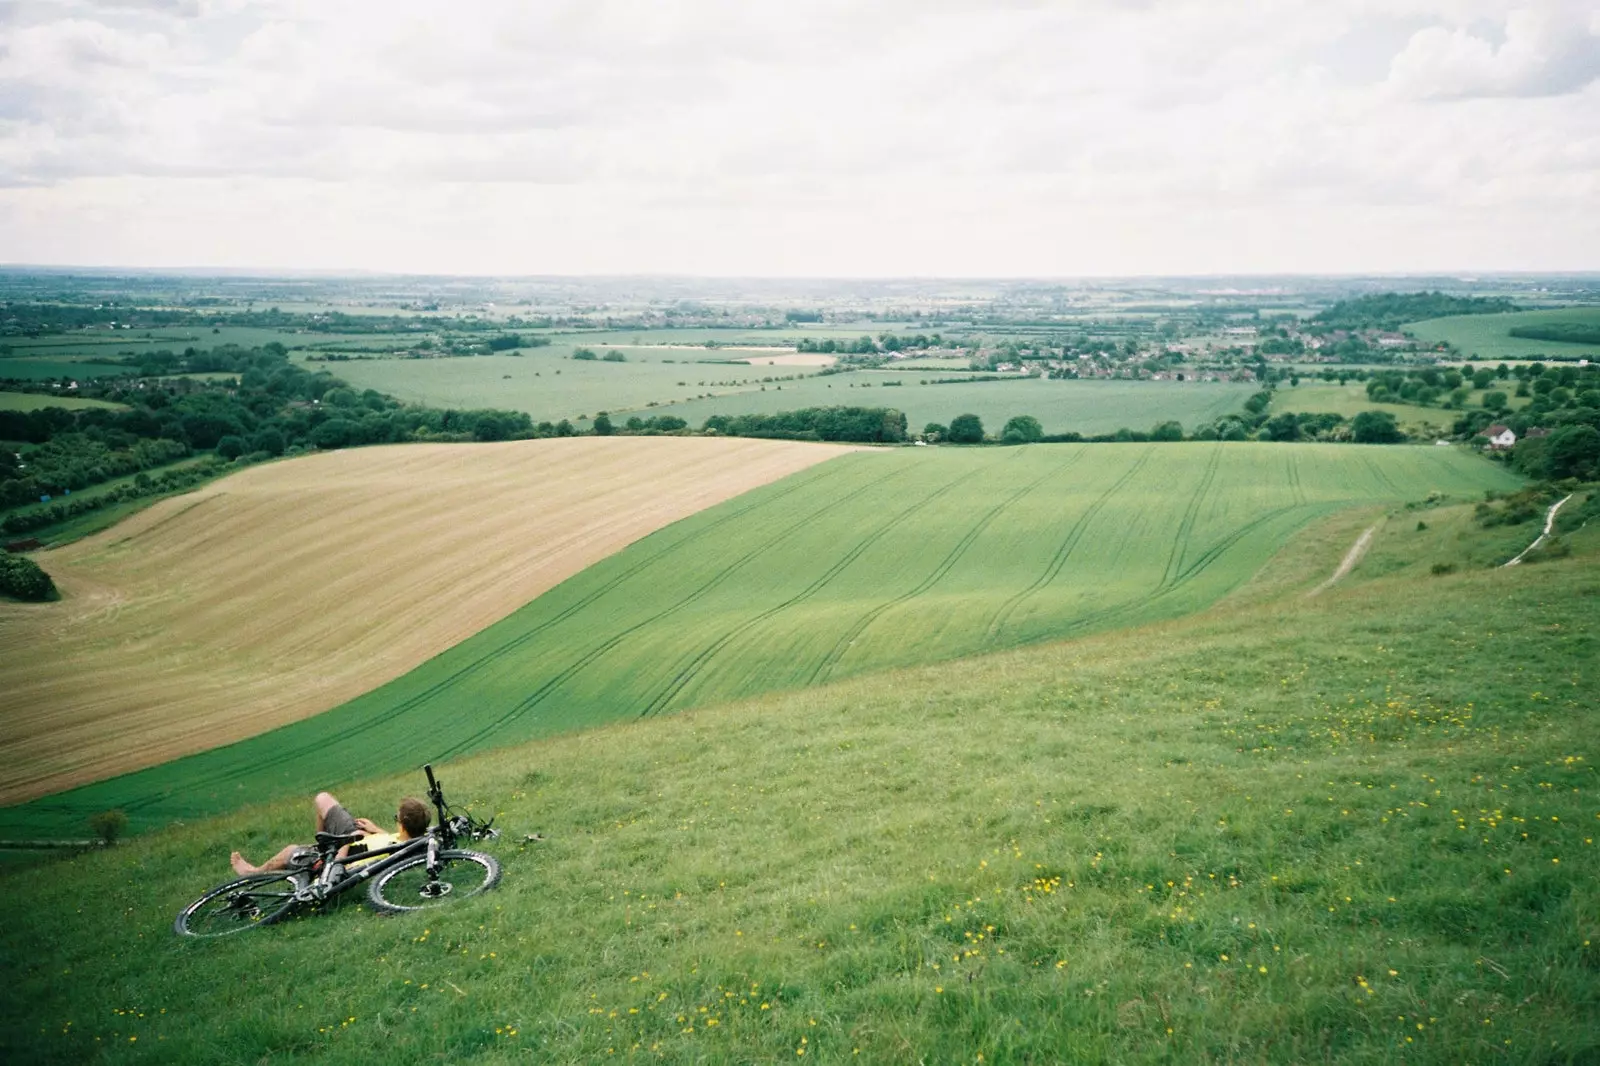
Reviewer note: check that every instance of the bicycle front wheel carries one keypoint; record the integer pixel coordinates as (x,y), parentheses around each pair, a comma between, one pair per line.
(247,903)
(409,887)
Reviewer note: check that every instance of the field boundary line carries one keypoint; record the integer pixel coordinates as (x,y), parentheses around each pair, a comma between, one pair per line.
(1357,551)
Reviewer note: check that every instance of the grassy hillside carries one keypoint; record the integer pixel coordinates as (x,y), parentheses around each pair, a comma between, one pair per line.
(30,401)
(1489,336)
(1357,828)
(874,560)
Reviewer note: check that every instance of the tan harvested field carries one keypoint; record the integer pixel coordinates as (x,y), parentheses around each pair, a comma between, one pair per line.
(289,588)
(791,359)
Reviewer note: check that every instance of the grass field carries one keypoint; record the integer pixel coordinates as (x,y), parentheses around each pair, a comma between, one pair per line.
(42,369)
(875,560)
(290,587)
(1352,829)
(548,385)
(1350,400)
(1088,407)
(1489,337)
(32,401)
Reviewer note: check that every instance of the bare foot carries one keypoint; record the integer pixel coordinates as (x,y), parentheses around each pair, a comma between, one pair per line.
(242,868)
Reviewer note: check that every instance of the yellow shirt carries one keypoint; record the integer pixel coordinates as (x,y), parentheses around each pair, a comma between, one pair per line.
(370,842)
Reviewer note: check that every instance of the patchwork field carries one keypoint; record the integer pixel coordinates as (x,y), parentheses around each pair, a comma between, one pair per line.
(1351,399)
(876,560)
(1489,336)
(292,587)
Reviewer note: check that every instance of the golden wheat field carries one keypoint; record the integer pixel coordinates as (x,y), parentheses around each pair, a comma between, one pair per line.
(286,589)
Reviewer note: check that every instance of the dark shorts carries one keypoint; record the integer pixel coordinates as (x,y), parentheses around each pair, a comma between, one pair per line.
(338,821)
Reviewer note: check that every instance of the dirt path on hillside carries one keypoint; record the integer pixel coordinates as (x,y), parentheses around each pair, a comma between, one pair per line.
(1351,558)
(289,588)
(1549,524)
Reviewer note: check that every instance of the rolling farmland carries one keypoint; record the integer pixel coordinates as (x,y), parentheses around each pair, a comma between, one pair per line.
(1489,337)
(290,587)
(876,560)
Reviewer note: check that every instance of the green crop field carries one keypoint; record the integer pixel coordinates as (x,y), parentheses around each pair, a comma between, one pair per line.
(1088,407)
(44,369)
(1358,828)
(1482,337)
(32,401)
(874,560)
(548,384)
(1351,399)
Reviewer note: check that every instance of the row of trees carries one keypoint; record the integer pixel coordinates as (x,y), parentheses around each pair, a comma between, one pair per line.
(866,425)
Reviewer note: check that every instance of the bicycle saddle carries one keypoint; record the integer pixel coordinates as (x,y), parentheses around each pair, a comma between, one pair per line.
(335,840)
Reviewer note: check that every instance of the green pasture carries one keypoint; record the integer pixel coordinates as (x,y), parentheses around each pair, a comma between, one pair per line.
(1351,399)
(1356,828)
(1488,337)
(1088,407)
(871,561)
(548,384)
(33,401)
(26,369)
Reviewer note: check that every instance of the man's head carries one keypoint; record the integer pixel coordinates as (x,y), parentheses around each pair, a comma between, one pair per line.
(413,816)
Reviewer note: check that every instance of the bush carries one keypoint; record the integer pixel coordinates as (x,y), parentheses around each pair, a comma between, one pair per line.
(108,825)
(1376,427)
(1023,429)
(24,579)
(231,447)
(1167,431)
(615,356)
(966,429)
(1440,569)
(583,353)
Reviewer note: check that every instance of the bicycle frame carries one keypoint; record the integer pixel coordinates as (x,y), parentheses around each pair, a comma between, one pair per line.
(337,876)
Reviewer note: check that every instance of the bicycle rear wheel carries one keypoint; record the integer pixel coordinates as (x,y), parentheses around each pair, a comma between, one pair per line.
(409,887)
(247,903)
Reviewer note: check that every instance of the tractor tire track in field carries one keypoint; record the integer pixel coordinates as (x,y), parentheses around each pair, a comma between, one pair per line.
(588,658)
(1180,541)
(1383,477)
(1059,560)
(825,669)
(290,754)
(687,673)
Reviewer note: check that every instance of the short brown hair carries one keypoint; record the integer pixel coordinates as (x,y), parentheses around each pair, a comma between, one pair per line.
(414,816)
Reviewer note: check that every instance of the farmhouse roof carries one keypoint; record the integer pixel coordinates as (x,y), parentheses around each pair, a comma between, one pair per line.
(1495,430)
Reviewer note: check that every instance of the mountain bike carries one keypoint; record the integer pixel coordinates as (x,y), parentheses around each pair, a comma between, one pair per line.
(410,875)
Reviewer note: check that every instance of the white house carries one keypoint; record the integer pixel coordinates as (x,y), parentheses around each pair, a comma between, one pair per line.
(1500,437)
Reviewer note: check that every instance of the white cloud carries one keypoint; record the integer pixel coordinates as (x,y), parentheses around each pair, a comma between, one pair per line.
(949,136)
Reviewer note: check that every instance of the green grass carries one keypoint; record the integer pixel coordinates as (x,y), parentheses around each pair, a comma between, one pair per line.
(32,401)
(91,522)
(42,369)
(1288,830)
(548,384)
(1088,407)
(871,561)
(1350,400)
(1488,337)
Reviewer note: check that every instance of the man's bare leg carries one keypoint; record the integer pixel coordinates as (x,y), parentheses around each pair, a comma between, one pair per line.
(325,802)
(279,861)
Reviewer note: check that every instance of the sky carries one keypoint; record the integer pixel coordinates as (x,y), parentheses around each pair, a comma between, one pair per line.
(799,138)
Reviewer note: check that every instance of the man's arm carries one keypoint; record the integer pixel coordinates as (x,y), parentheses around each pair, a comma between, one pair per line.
(367,825)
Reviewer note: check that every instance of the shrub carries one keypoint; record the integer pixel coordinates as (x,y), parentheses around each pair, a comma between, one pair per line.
(615,356)
(1023,429)
(108,825)
(24,579)
(1167,431)
(966,429)
(1440,569)
(583,353)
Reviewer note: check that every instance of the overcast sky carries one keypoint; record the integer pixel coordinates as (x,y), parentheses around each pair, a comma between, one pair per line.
(896,137)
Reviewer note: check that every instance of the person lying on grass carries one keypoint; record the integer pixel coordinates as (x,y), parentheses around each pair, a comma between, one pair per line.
(412,821)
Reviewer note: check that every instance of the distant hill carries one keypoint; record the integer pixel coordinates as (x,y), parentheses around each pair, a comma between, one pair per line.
(1390,310)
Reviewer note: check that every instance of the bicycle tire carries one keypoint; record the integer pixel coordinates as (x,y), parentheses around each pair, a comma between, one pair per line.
(244,903)
(407,888)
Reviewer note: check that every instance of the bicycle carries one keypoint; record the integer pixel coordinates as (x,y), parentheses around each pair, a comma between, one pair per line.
(411,875)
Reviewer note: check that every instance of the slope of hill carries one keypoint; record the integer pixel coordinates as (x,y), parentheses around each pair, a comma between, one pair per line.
(880,559)
(288,588)
(1357,828)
